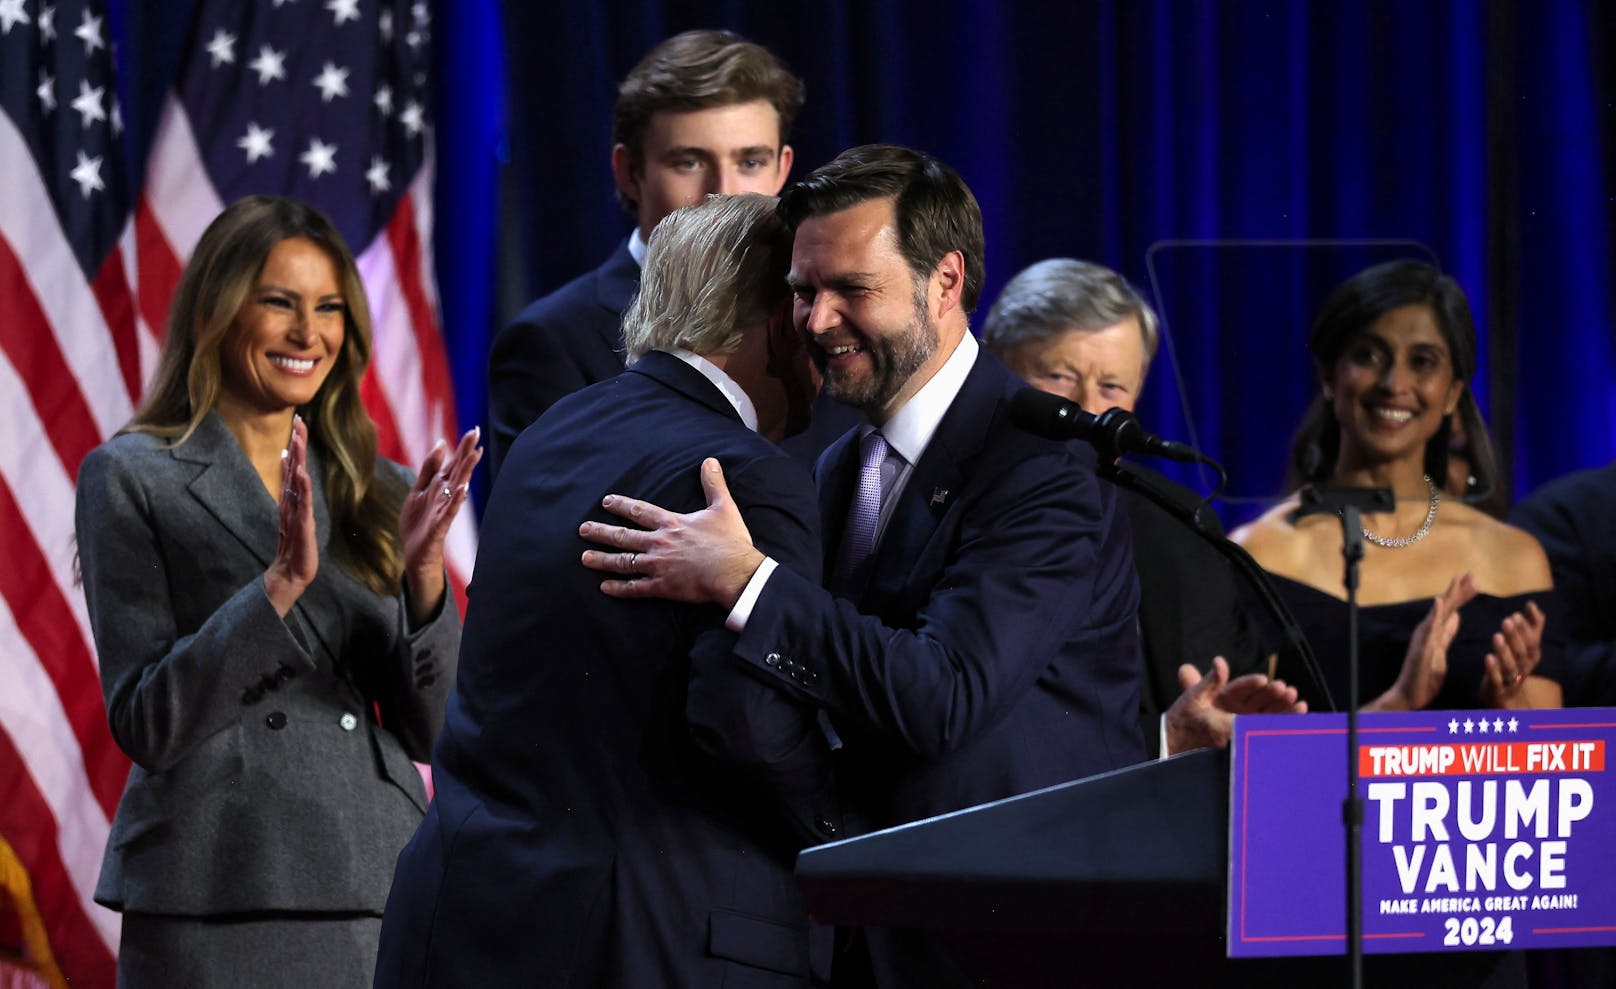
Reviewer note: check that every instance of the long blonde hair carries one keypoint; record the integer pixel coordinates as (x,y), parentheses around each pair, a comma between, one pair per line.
(214,287)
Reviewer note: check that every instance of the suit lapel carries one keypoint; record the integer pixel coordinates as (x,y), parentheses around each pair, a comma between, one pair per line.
(618,281)
(938,481)
(229,488)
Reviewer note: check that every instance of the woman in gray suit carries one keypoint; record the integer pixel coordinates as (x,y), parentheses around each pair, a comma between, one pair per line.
(269,606)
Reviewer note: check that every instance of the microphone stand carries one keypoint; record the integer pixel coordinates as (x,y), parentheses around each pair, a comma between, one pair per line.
(1311,684)
(1349,504)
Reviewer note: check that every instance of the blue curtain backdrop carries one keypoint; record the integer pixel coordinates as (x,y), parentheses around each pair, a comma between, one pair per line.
(1482,131)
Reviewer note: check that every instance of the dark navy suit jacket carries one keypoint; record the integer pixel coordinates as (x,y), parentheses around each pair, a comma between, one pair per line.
(995,648)
(561,343)
(580,835)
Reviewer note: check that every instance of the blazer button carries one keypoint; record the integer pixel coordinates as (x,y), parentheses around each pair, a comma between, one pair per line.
(276,720)
(251,696)
(348,722)
(772,659)
(809,677)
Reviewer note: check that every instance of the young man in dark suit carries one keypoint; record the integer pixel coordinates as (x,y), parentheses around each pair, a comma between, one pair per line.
(979,636)
(618,804)
(704,112)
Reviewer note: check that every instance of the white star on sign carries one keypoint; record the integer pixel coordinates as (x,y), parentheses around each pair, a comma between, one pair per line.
(343,10)
(88,174)
(46,92)
(256,142)
(320,157)
(270,65)
(1485,724)
(222,48)
(1468,725)
(89,32)
(376,175)
(411,118)
(1513,724)
(331,82)
(1453,727)
(88,103)
(11,14)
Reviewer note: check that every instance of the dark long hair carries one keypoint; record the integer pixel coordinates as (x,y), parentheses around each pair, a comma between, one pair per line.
(1349,309)
(214,287)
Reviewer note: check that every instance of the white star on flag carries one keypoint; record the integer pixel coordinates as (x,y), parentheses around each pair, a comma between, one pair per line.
(320,157)
(376,175)
(47,23)
(88,174)
(270,65)
(117,117)
(89,32)
(256,142)
(331,82)
(46,92)
(88,103)
(222,48)
(11,14)
(384,23)
(343,10)
(384,100)
(411,118)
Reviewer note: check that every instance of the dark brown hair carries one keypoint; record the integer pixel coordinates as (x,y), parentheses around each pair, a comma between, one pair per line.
(933,207)
(698,70)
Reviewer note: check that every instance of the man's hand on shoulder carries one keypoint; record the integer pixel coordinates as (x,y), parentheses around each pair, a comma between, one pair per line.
(704,557)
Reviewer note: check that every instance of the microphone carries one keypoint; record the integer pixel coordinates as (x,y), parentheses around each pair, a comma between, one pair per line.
(1112,433)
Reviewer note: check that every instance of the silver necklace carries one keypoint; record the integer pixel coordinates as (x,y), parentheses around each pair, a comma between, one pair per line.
(1399,543)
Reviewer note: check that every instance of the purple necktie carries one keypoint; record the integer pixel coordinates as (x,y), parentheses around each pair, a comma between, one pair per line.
(861,521)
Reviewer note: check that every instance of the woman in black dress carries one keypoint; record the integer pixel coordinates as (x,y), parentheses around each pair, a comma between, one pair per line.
(1453,600)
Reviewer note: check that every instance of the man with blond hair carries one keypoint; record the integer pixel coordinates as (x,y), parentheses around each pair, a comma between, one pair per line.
(618,804)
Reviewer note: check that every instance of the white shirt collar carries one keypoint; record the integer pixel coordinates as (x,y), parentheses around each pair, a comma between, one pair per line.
(637,247)
(724,383)
(910,429)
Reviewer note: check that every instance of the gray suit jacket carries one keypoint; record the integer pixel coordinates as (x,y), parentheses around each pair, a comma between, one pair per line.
(262,780)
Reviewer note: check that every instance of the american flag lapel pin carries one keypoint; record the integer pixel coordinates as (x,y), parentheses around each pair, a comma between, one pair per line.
(939,495)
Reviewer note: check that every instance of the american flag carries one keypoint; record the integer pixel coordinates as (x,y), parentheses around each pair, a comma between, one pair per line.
(325,100)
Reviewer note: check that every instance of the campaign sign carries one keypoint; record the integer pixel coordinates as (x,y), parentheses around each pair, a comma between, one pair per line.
(1482,830)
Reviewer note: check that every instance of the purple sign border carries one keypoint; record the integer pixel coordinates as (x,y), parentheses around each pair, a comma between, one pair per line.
(1287,844)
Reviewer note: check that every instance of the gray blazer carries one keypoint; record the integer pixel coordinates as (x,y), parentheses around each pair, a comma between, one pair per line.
(261,780)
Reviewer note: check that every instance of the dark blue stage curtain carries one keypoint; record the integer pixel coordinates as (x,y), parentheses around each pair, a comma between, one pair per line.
(1481,130)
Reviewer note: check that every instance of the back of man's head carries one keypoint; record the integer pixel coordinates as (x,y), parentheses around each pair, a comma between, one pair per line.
(712,270)
(933,208)
(697,70)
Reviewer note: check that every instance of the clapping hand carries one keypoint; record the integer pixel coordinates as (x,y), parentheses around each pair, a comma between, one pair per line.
(297,550)
(1517,648)
(1203,716)
(1425,665)
(433,501)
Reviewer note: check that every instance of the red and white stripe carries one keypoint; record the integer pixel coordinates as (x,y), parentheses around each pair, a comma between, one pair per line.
(71,364)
